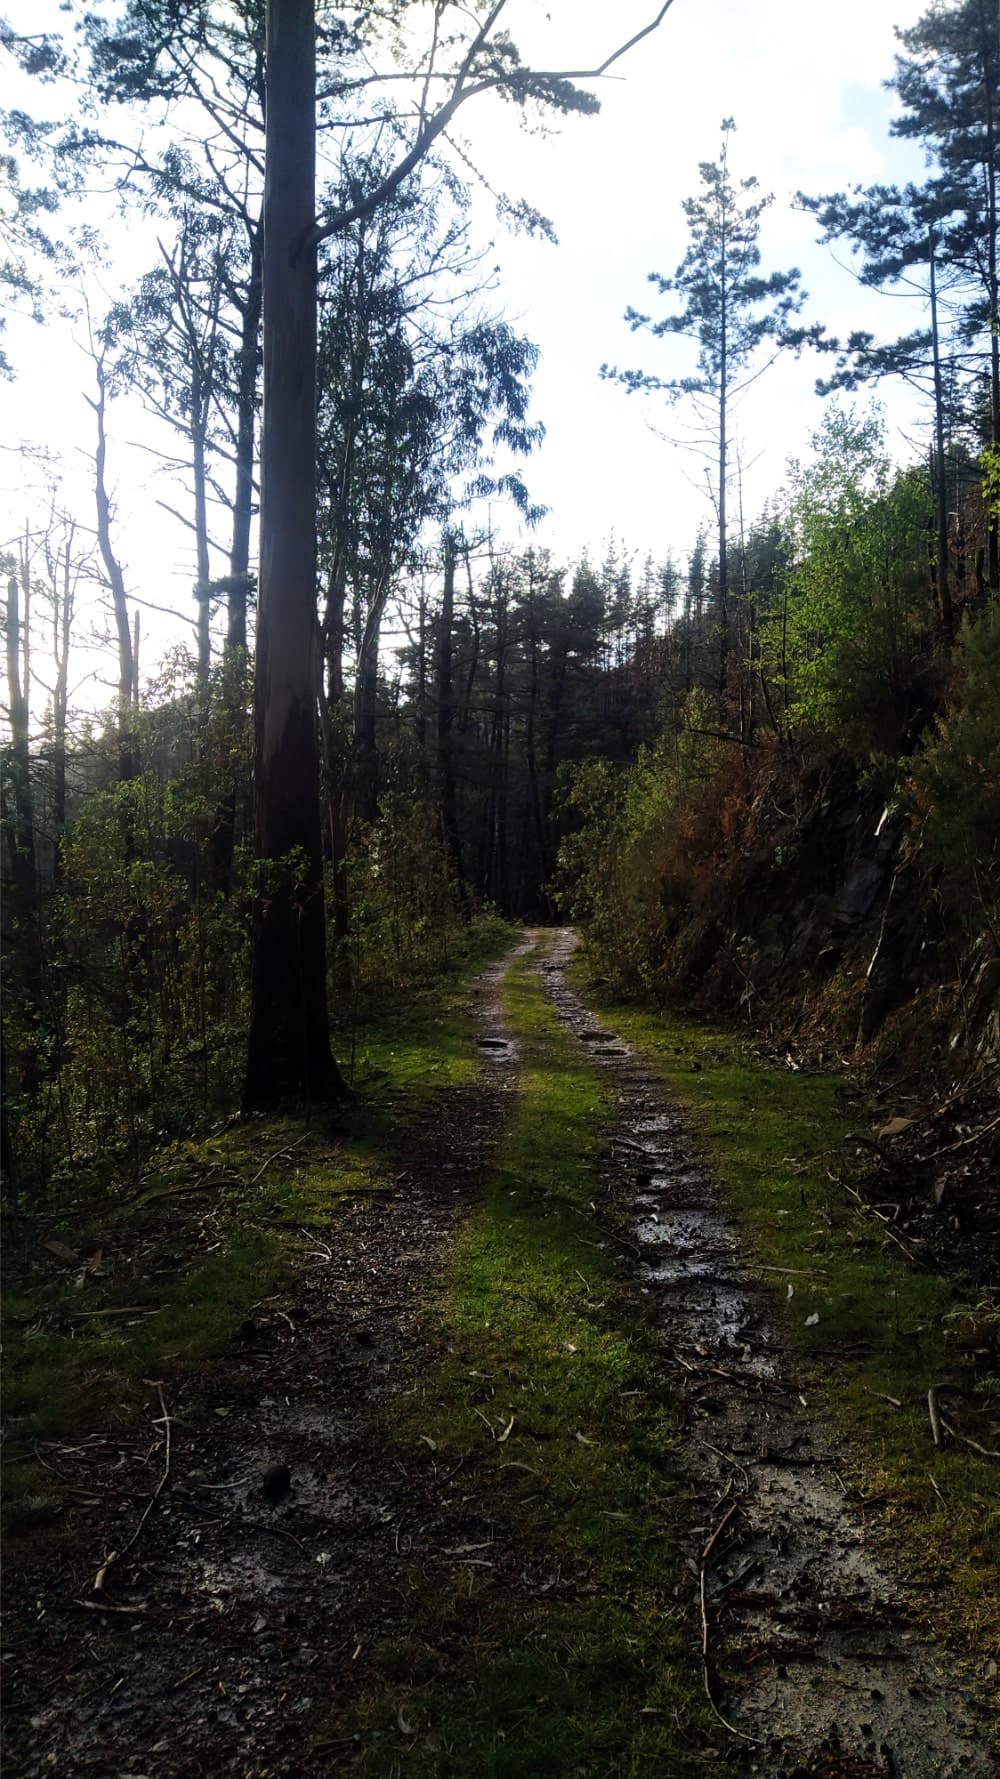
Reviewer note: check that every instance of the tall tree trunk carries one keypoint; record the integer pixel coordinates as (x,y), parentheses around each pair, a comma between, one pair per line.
(20,822)
(289,1050)
(203,568)
(940,483)
(223,840)
(246,429)
(723,540)
(116,582)
(62,620)
(366,767)
(445,736)
(422,632)
(538,822)
(991,159)
(334,729)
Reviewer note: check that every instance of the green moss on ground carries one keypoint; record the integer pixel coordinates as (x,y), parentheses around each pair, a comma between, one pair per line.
(165,1273)
(577,1657)
(861,1323)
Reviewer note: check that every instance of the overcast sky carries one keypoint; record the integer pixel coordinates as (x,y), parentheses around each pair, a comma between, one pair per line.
(805,89)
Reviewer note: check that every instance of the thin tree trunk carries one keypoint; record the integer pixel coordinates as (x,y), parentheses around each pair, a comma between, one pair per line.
(940,484)
(62,619)
(993,291)
(246,428)
(20,822)
(223,839)
(289,1050)
(723,558)
(534,790)
(116,582)
(202,568)
(445,738)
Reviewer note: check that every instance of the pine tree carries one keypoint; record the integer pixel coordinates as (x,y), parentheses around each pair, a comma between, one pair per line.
(732,312)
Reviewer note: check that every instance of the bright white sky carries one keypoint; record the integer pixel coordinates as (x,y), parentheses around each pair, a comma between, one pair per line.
(805,90)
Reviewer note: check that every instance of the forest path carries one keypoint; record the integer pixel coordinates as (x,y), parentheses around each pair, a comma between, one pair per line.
(813,1636)
(297,1536)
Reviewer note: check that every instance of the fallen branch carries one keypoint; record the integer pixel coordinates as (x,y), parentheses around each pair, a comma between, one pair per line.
(705,1669)
(116,1555)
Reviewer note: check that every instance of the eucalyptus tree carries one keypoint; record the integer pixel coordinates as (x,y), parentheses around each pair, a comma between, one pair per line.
(169,341)
(731,312)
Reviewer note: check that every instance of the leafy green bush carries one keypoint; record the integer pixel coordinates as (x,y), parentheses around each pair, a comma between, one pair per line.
(860,613)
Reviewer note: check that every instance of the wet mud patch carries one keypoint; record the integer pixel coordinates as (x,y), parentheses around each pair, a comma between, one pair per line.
(811,1655)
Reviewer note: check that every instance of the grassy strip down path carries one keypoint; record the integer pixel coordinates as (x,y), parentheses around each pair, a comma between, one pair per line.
(861,1324)
(568,1647)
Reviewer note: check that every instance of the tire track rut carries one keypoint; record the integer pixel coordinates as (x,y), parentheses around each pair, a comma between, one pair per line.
(811,1654)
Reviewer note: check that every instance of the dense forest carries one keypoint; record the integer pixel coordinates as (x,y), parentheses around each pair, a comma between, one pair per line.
(771,757)
(500,1046)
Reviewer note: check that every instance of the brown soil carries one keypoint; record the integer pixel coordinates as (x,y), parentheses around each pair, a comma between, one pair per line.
(287,1540)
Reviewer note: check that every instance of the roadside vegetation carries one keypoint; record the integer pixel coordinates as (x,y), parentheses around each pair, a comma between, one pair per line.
(153,1273)
(869,1329)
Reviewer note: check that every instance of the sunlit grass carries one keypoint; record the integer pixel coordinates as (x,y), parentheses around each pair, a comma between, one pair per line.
(861,1323)
(546,1392)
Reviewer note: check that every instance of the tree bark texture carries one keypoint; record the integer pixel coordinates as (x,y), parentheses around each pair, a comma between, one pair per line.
(445,729)
(116,582)
(289,1051)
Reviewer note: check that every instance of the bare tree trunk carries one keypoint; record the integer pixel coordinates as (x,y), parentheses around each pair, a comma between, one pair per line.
(289,1050)
(116,581)
(203,568)
(538,821)
(62,619)
(20,822)
(993,291)
(246,428)
(723,538)
(445,727)
(940,484)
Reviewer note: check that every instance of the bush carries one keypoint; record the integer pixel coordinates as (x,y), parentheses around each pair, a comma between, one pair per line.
(955,786)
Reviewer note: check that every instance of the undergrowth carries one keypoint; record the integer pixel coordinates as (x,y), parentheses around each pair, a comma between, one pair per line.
(868,1331)
(124,1280)
(565,1647)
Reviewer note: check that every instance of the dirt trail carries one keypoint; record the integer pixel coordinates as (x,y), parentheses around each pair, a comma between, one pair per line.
(814,1637)
(233,1626)
(236,1630)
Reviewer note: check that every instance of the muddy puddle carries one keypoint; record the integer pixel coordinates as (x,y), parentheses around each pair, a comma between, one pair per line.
(811,1655)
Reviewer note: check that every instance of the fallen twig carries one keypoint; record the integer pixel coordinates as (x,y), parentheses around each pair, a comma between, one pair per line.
(116,1555)
(934,1411)
(278,1155)
(964,1142)
(705,1669)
